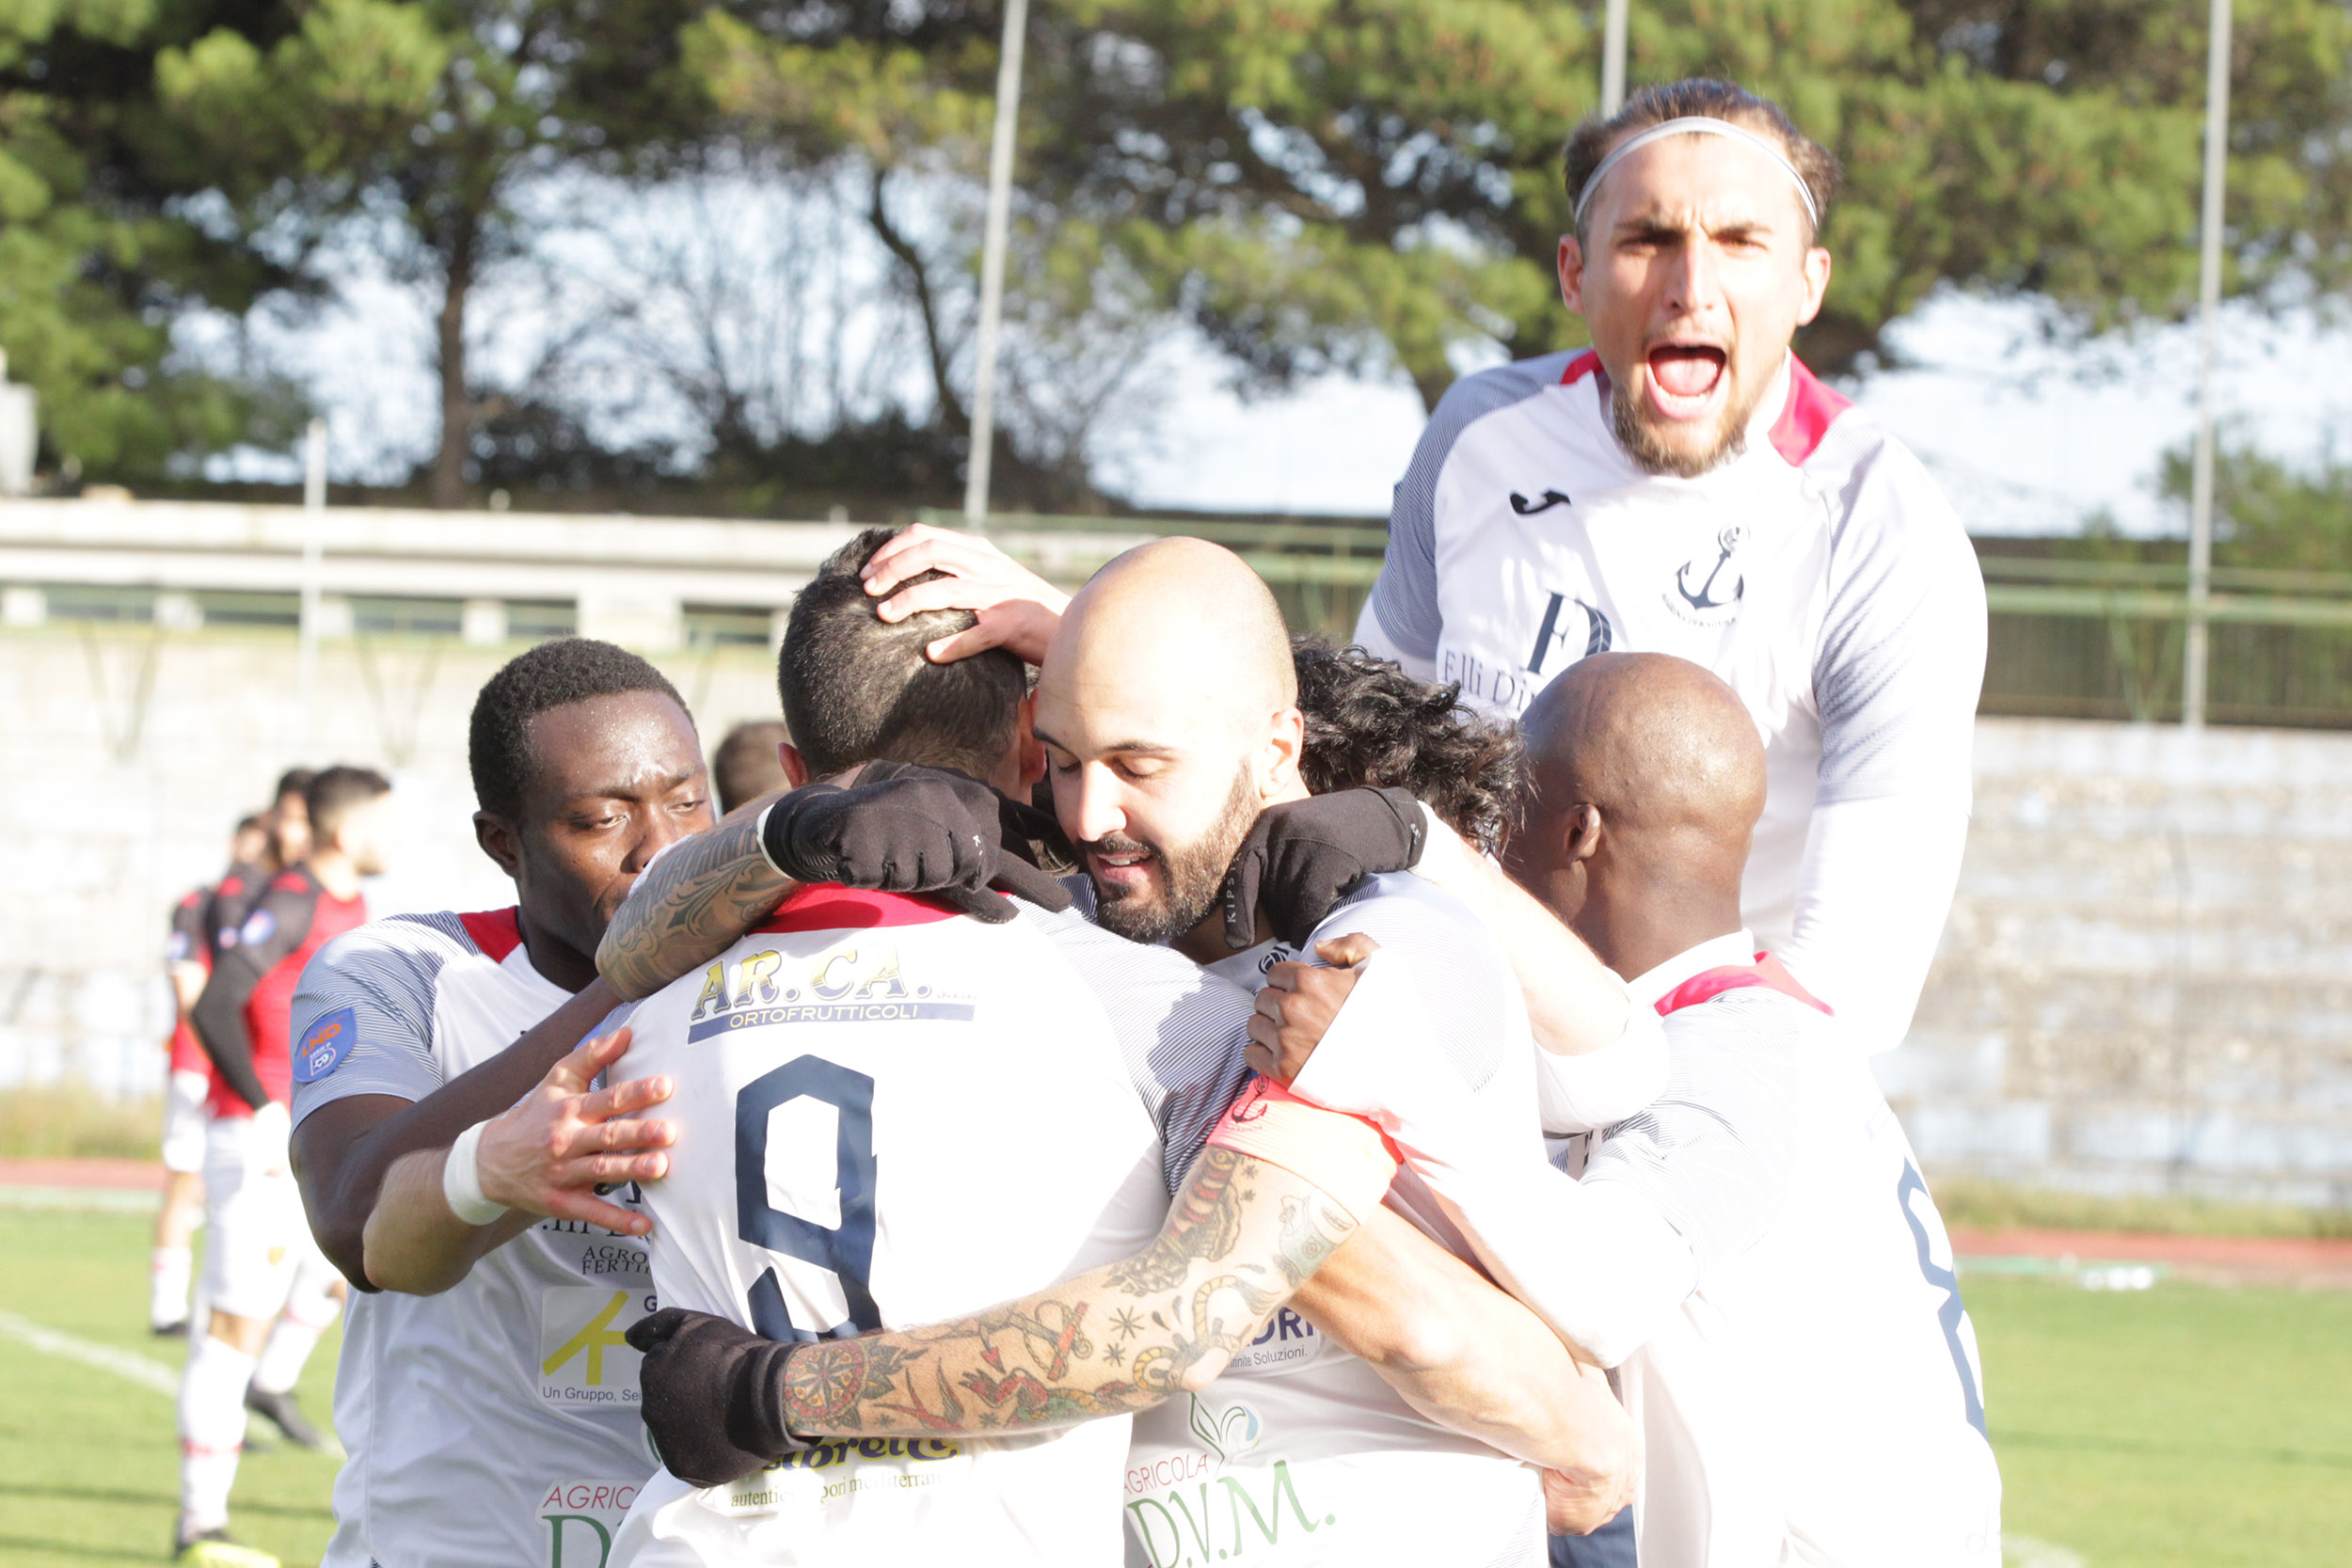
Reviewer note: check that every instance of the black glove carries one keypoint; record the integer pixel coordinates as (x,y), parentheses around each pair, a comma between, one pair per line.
(707,1392)
(1303,854)
(902,828)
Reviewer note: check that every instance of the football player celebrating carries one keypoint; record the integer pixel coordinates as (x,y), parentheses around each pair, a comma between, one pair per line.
(1686,486)
(1756,1254)
(486,1394)
(253,1214)
(1205,704)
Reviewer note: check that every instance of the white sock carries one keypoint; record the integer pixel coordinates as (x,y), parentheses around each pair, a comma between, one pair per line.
(310,1312)
(167,1271)
(212,1430)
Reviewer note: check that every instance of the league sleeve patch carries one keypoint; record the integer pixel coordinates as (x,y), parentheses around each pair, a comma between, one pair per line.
(259,928)
(323,1048)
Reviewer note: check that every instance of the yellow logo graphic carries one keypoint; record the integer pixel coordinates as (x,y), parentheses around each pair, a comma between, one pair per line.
(594,1338)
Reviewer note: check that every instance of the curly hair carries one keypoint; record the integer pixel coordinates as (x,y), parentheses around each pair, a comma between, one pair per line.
(1369,723)
(553,675)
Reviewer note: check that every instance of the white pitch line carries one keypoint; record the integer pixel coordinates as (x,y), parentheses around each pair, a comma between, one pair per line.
(2024,1551)
(124,1365)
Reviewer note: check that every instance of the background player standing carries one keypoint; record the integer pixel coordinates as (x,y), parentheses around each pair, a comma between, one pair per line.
(258,1238)
(1687,486)
(188,964)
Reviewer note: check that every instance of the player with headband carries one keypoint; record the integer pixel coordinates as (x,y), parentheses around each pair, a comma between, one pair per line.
(1687,486)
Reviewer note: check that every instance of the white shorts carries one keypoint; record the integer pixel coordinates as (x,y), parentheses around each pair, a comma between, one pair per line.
(183,1121)
(254,1230)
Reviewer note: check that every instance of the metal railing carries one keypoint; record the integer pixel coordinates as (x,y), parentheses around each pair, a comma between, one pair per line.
(2108,640)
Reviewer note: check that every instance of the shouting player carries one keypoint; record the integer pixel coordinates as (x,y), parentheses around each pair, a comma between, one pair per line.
(1320,1428)
(257,1245)
(1756,1254)
(1686,486)
(487,1396)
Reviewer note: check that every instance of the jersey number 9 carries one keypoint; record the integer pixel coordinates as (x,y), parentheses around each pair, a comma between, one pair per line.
(848,1249)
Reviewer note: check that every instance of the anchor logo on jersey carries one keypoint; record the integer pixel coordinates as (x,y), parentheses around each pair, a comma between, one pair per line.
(1703,600)
(1549,499)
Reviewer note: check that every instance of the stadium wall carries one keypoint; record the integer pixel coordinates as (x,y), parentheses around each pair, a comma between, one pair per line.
(2146,981)
(2143,985)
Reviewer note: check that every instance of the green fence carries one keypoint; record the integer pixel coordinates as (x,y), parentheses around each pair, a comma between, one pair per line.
(2070,636)
(2103,639)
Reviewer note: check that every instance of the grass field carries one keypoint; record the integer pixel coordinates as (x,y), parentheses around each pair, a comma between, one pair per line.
(2178,1426)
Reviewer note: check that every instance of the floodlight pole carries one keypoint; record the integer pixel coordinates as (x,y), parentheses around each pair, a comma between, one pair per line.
(313,552)
(1612,57)
(2208,329)
(993,263)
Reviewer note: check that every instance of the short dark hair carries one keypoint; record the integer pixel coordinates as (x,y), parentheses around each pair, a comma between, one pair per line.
(1369,723)
(857,688)
(294,781)
(248,823)
(744,768)
(554,674)
(1596,137)
(334,793)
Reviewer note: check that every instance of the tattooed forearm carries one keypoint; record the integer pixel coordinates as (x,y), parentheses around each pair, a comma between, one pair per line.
(690,906)
(1205,1222)
(1239,1239)
(1313,1229)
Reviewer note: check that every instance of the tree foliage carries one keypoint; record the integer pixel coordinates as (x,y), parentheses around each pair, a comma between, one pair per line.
(95,268)
(1369,186)
(1358,183)
(426,118)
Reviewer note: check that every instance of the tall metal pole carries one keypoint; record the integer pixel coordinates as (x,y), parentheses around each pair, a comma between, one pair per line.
(1612,57)
(313,553)
(2208,330)
(992,262)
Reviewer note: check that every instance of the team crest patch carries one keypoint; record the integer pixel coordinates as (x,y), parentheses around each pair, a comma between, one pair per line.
(328,1043)
(258,926)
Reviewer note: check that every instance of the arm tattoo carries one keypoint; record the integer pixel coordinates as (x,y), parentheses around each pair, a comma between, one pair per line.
(692,906)
(1313,1229)
(1203,1223)
(1239,1239)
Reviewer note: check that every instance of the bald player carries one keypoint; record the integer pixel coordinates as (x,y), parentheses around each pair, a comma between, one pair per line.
(1167,737)
(1756,1254)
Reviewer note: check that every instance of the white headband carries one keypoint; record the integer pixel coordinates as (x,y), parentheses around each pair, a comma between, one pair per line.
(1695,125)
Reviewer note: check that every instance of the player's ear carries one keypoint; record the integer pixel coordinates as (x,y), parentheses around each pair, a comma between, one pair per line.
(498,840)
(1817,270)
(1584,833)
(1029,751)
(1286,748)
(1572,273)
(795,766)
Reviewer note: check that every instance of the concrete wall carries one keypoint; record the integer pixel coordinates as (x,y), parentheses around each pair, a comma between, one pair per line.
(126,755)
(2146,981)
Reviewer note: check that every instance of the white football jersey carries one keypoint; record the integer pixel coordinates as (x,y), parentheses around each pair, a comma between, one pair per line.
(1299,1455)
(890,1116)
(495,1423)
(1818,1398)
(1820,573)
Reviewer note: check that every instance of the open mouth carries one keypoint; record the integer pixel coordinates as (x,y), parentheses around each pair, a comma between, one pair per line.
(1685,379)
(1122,867)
